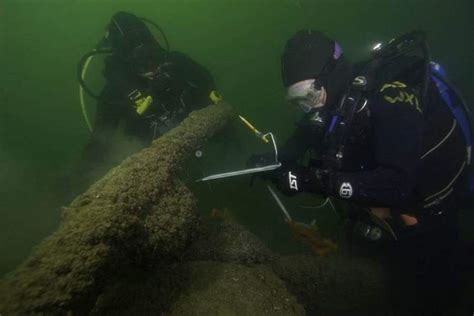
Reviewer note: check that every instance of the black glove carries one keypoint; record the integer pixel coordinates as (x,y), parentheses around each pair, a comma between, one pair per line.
(300,179)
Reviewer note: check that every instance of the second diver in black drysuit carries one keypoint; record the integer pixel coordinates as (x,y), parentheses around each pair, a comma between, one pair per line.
(148,89)
(386,138)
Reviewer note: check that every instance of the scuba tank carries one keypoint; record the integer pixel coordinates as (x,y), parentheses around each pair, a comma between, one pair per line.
(406,58)
(459,110)
(120,38)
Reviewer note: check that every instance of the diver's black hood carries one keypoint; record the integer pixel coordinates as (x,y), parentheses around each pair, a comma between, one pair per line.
(310,54)
(127,32)
(305,55)
(131,40)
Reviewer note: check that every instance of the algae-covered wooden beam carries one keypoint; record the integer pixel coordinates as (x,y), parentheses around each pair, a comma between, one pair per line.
(140,209)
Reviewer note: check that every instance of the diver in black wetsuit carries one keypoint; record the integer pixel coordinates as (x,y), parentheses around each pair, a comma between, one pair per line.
(148,89)
(377,138)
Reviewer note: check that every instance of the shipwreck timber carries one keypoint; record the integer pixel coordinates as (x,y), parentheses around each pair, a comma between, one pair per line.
(139,209)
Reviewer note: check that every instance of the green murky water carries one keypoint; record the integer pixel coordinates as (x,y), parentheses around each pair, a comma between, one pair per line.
(42,131)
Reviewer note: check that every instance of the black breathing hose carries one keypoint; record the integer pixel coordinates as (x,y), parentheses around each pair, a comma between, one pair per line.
(167,44)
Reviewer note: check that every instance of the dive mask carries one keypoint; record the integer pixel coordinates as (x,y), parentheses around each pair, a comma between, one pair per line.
(307,94)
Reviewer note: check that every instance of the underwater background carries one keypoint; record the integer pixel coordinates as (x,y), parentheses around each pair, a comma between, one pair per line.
(42,130)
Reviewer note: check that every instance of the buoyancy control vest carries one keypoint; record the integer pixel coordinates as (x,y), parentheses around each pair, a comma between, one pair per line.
(405,59)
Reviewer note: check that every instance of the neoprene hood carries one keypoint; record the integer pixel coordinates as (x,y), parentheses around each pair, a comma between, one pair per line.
(305,56)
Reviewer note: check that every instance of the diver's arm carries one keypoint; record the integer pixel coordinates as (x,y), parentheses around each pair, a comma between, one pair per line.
(191,80)
(295,147)
(199,84)
(382,187)
(304,137)
(397,131)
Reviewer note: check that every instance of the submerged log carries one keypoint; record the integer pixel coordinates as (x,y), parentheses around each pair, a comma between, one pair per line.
(139,209)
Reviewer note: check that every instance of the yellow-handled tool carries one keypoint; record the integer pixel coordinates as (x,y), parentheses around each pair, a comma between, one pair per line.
(256,131)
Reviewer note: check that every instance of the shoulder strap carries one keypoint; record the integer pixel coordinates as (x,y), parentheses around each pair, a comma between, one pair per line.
(341,121)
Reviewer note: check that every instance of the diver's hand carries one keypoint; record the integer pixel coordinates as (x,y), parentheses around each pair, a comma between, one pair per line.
(300,179)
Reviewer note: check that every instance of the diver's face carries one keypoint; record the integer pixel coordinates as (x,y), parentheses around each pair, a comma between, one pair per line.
(307,95)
